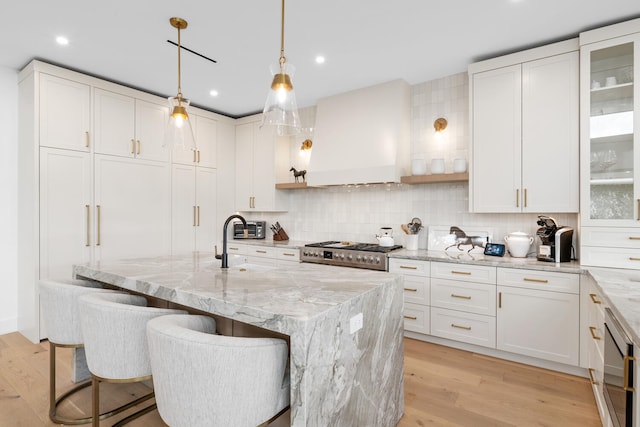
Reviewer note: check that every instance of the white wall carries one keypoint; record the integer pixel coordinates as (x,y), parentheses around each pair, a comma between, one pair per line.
(9,197)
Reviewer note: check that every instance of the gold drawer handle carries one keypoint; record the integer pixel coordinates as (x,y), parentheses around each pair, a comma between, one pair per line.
(527,279)
(411,289)
(409,267)
(593,298)
(288,254)
(260,252)
(592,329)
(410,317)
(460,296)
(634,238)
(633,259)
(88,208)
(233,249)
(466,328)
(592,377)
(86,139)
(466,273)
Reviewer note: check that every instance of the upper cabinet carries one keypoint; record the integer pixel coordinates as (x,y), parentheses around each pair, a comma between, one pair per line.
(65,113)
(205,131)
(129,127)
(262,159)
(525,131)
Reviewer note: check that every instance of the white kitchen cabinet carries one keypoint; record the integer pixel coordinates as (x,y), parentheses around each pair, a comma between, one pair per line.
(417,317)
(66,211)
(65,113)
(610,155)
(525,131)
(129,127)
(287,257)
(133,208)
(206,135)
(193,213)
(262,159)
(538,314)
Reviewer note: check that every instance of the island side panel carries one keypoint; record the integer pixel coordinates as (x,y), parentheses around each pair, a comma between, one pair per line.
(352,379)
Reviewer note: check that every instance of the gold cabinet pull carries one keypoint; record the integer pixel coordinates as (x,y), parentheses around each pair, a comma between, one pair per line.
(593,298)
(231,248)
(627,362)
(139,144)
(98,225)
(528,279)
(133,146)
(634,258)
(86,139)
(409,267)
(258,251)
(592,329)
(410,317)
(194,216)
(198,210)
(499,299)
(252,201)
(525,198)
(592,377)
(466,273)
(634,238)
(460,296)
(411,289)
(198,156)
(466,328)
(88,208)
(288,254)
(194,156)
(517,197)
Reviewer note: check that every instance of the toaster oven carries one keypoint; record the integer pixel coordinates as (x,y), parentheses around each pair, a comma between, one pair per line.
(255,230)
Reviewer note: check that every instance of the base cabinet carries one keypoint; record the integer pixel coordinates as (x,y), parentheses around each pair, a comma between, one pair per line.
(417,293)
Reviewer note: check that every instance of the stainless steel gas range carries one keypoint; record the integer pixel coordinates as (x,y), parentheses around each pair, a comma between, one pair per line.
(348,254)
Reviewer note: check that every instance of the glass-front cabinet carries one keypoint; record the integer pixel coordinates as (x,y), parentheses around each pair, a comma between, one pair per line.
(609,146)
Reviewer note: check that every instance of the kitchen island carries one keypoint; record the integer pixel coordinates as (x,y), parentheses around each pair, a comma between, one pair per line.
(345,325)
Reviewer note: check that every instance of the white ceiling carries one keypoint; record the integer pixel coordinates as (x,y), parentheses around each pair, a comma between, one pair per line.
(365,42)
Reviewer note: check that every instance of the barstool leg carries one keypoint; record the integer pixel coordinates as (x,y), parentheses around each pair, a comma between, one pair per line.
(55,401)
(95,400)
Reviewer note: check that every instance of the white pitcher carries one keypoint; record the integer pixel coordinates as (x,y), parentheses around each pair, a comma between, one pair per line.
(518,244)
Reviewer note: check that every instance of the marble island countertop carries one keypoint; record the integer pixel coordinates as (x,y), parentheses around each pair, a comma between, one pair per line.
(345,325)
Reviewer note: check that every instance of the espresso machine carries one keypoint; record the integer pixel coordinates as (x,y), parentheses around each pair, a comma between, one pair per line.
(556,241)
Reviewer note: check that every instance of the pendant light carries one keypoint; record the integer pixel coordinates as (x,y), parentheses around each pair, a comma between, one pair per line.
(281,108)
(179,132)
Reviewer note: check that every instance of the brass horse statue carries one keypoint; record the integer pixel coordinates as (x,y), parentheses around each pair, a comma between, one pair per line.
(297,174)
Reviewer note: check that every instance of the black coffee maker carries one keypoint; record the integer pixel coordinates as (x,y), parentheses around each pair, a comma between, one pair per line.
(556,242)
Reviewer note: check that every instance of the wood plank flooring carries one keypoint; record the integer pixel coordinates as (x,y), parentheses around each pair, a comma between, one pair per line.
(443,387)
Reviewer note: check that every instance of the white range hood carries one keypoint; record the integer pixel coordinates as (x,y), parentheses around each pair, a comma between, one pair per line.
(362,136)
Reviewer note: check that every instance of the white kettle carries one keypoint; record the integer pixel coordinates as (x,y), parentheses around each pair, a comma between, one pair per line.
(385,238)
(518,244)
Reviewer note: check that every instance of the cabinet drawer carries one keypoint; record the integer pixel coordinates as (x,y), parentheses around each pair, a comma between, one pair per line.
(610,237)
(464,272)
(542,280)
(466,327)
(464,296)
(610,257)
(236,249)
(409,266)
(416,290)
(261,251)
(288,254)
(416,318)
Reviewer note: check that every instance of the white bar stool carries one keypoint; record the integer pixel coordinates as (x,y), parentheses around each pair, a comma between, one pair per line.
(114,330)
(202,379)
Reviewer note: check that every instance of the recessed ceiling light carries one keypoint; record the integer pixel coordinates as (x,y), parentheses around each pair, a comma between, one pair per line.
(213,92)
(62,41)
(319,59)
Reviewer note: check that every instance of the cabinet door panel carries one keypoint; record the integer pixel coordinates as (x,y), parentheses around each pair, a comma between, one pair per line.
(151,120)
(496,168)
(550,137)
(65,211)
(183,212)
(206,140)
(114,123)
(135,207)
(244,166)
(206,230)
(65,113)
(539,324)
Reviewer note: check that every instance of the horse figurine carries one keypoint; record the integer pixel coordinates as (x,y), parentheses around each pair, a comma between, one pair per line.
(297,174)
(462,239)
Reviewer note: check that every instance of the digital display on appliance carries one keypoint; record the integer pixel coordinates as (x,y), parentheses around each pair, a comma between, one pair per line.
(328,255)
(494,249)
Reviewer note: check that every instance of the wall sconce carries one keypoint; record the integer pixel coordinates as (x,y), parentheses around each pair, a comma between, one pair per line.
(306,145)
(440,124)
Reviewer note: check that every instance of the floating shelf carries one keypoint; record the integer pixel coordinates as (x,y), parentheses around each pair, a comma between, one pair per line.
(291,185)
(435,178)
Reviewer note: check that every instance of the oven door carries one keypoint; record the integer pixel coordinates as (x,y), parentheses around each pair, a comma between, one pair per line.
(618,372)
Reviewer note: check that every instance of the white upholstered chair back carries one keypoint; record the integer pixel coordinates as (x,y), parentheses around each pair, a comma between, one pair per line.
(114,330)
(202,379)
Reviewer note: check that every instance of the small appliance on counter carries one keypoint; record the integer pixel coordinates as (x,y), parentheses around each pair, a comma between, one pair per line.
(255,230)
(556,241)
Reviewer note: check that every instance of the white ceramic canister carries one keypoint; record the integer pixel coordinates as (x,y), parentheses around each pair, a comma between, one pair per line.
(518,244)
(437,166)
(418,167)
(459,165)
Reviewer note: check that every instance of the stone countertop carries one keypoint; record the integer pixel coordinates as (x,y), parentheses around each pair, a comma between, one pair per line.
(621,289)
(454,256)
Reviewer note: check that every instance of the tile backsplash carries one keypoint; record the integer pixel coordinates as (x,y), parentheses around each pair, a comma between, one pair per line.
(356,212)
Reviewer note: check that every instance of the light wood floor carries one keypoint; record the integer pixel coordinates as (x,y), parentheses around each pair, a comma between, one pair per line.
(443,387)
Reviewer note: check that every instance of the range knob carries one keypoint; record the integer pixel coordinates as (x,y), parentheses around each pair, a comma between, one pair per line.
(341,256)
(305,253)
(377,260)
(315,254)
(358,258)
(370,259)
(350,257)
